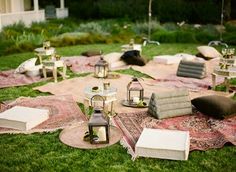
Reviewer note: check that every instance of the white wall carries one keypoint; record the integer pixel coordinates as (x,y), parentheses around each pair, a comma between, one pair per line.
(17,5)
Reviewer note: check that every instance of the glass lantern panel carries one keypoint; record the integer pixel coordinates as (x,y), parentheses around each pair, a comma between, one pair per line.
(100,71)
(100,132)
(135,96)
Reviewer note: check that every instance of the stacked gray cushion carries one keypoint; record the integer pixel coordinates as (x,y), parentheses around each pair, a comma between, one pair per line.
(192,69)
(170,104)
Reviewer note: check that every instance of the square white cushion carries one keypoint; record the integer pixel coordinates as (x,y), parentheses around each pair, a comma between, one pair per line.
(161,143)
(167,59)
(23,118)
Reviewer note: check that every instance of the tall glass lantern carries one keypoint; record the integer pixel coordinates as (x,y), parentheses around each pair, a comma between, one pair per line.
(135,92)
(101,68)
(98,125)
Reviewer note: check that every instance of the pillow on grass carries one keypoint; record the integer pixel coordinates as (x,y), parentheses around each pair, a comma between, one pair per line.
(216,106)
(23,67)
(208,52)
(91,53)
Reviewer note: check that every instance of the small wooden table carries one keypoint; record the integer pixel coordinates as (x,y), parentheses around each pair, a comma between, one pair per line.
(54,65)
(46,58)
(226,73)
(44,53)
(109,96)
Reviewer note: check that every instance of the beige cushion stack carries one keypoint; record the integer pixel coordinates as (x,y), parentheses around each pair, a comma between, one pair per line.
(170,104)
(192,69)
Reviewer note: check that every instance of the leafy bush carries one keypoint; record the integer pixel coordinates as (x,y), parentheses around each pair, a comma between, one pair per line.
(164,36)
(230,26)
(142,28)
(18,38)
(204,37)
(185,37)
(92,27)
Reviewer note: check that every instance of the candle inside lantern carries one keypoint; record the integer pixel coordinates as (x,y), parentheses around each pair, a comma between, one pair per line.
(101,133)
(101,73)
(135,99)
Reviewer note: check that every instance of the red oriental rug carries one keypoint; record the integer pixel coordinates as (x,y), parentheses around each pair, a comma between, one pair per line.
(9,79)
(63,112)
(205,132)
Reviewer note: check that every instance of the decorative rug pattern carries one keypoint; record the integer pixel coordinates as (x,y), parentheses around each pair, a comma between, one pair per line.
(73,136)
(9,79)
(81,64)
(63,112)
(165,76)
(76,87)
(205,132)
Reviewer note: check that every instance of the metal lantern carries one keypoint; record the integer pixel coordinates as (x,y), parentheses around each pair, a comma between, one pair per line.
(135,92)
(98,125)
(101,68)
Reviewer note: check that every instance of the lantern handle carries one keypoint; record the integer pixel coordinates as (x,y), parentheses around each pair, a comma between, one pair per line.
(134,77)
(100,97)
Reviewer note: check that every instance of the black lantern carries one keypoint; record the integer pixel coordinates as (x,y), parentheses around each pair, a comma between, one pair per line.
(98,125)
(101,68)
(135,92)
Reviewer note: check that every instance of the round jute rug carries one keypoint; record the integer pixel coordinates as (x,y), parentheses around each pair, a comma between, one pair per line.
(73,136)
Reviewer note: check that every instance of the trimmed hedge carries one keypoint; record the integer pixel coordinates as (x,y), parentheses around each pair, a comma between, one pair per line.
(191,11)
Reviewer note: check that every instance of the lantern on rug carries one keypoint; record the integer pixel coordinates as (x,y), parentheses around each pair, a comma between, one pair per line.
(101,68)
(98,124)
(135,92)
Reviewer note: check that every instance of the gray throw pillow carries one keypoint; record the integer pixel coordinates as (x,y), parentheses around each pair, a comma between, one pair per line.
(216,106)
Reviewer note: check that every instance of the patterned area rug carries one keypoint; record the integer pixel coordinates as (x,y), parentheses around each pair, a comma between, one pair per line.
(9,79)
(81,64)
(63,112)
(165,76)
(205,132)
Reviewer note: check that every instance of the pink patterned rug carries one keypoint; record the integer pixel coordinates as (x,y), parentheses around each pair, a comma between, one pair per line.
(81,64)
(192,84)
(9,79)
(165,76)
(63,112)
(205,132)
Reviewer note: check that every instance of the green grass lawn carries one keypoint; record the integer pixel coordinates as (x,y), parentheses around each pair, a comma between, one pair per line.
(45,152)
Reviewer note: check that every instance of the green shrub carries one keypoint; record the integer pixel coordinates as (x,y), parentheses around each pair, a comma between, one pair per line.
(164,36)
(4,44)
(230,38)
(170,26)
(141,28)
(18,27)
(185,37)
(230,27)
(92,27)
(34,39)
(204,37)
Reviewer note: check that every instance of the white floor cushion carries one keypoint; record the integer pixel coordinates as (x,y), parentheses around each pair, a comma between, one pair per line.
(167,59)
(23,118)
(165,144)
